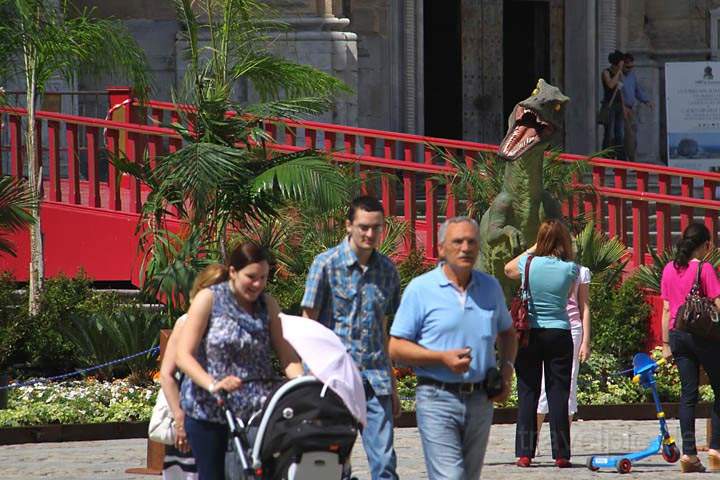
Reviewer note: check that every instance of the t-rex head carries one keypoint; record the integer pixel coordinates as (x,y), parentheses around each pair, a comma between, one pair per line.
(535,122)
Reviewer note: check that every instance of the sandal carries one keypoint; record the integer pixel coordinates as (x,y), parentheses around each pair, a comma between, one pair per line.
(691,466)
(713,462)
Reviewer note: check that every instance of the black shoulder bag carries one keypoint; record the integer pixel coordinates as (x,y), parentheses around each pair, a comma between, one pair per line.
(698,314)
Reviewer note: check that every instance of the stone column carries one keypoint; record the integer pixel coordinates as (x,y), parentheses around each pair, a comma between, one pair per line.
(482,64)
(648,73)
(316,37)
(320,41)
(581,76)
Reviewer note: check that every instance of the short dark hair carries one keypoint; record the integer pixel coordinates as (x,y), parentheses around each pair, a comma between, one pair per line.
(629,57)
(616,57)
(364,202)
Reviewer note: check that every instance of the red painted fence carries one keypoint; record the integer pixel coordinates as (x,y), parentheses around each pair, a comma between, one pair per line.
(640,203)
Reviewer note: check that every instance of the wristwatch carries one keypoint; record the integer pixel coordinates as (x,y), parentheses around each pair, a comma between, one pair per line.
(512,365)
(212,387)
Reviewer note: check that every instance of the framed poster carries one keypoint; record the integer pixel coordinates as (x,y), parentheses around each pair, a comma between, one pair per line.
(692,96)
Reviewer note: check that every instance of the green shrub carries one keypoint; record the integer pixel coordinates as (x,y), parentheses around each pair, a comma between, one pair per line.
(288,290)
(411,266)
(13,322)
(103,328)
(619,318)
(47,348)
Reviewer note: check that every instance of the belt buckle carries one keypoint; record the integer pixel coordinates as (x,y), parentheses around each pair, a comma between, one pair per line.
(467,388)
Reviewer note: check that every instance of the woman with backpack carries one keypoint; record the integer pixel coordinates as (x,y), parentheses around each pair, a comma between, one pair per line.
(692,351)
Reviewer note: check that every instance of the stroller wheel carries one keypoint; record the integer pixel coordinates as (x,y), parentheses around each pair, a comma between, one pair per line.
(671,453)
(590,466)
(624,465)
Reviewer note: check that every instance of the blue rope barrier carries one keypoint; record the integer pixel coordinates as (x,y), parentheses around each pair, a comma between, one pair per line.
(35,381)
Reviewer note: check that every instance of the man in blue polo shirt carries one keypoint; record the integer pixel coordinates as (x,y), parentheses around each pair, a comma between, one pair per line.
(446,327)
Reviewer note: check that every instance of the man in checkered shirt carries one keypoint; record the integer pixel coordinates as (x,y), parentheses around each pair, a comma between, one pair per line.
(351,289)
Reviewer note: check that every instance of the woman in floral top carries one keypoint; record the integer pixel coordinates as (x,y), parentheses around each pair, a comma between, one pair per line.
(226,345)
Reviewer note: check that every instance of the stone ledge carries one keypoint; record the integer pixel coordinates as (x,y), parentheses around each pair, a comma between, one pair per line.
(631,411)
(125,430)
(73,433)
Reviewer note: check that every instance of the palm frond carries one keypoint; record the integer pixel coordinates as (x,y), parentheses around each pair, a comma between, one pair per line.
(475,185)
(16,202)
(596,251)
(306,174)
(273,77)
(396,231)
(199,168)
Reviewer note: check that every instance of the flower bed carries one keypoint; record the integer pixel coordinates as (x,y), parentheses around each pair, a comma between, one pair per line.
(92,401)
(80,401)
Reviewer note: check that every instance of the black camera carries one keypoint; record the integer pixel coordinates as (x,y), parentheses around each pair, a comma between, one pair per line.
(493,383)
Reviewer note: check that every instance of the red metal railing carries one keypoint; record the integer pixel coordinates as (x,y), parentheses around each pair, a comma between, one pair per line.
(639,203)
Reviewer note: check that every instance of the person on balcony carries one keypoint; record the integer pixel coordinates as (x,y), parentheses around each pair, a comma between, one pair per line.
(632,95)
(351,289)
(552,276)
(690,351)
(446,327)
(612,82)
(228,336)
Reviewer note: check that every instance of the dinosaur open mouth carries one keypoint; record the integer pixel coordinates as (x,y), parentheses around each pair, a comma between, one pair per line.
(528,130)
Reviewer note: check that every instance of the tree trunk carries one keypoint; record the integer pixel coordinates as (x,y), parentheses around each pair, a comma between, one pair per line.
(35,179)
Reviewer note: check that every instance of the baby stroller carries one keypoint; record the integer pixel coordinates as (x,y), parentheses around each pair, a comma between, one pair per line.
(304,432)
(308,426)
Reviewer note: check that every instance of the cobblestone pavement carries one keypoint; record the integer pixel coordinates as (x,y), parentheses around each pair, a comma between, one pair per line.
(107,460)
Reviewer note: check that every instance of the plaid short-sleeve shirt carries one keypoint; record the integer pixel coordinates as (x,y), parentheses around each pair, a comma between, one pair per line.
(353,303)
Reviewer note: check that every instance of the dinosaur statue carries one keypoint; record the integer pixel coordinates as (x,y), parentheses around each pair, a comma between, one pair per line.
(511,222)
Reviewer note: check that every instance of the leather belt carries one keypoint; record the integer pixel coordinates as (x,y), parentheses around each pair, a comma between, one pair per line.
(454,387)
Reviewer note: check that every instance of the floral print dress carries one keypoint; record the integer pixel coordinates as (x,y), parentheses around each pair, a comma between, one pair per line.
(235,343)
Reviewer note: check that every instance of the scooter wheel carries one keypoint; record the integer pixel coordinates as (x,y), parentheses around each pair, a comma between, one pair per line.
(624,465)
(671,453)
(590,466)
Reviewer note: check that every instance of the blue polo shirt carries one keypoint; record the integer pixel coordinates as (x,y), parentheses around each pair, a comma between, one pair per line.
(436,315)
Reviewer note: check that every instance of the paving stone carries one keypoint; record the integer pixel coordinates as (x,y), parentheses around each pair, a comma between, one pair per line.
(106,460)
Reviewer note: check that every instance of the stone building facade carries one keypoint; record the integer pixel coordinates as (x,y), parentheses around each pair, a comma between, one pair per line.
(454,69)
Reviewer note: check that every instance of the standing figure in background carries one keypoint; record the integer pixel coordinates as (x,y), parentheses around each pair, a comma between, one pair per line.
(632,94)
(612,82)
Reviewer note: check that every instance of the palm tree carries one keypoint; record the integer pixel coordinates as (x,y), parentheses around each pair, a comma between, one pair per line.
(597,252)
(225,176)
(16,202)
(42,38)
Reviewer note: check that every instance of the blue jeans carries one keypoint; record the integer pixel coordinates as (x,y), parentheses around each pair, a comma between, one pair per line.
(377,436)
(690,353)
(454,429)
(208,441)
